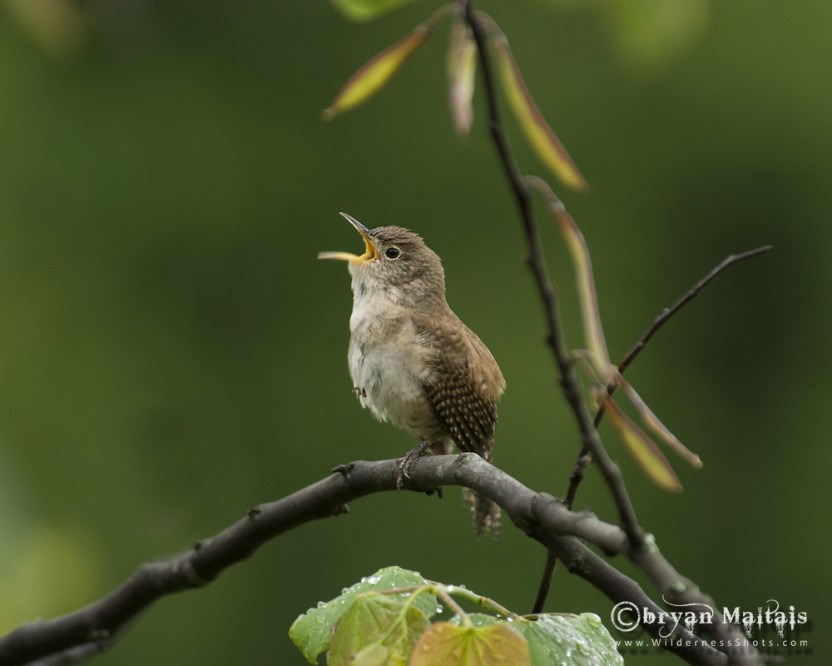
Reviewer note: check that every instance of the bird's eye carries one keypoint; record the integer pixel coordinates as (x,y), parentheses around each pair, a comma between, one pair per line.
(392,253)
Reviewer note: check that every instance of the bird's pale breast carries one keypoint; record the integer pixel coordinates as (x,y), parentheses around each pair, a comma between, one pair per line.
(390,363)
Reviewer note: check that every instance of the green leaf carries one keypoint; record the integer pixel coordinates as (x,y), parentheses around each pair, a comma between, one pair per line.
(642,448)
(373,655)
(660,429)
(377,630)
(364,10)
(538,133)
(312,631)
(373,75)
(577,640)
(494,645)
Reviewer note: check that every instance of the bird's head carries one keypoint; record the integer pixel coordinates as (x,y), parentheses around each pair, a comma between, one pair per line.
(397,263)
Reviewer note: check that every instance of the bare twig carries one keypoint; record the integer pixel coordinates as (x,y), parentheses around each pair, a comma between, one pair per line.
(686,298)
(584,457)
(89,630)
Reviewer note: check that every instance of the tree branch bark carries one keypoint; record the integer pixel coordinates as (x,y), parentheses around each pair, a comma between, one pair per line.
(541,516)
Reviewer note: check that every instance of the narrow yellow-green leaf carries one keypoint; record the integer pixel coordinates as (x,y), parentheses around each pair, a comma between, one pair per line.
(587,295)
(584,278)
(462,68)
(642,448)
(449,645)
(364,10)
(374,74)
(540,136)
(652,421)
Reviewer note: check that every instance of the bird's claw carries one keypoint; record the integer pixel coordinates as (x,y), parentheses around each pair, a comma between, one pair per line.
(407,462)
(403,472)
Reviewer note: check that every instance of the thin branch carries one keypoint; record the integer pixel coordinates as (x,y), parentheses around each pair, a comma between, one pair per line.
(686,298)
(584,457)
(541,516)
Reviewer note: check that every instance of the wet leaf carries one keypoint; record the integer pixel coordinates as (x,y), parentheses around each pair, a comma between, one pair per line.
(494,645)
(364,10)
(462,69)
(577,640)
(538,133)
(374,74)
(642,448)
(660,429)
(377,630)
(312,631)
(372,655)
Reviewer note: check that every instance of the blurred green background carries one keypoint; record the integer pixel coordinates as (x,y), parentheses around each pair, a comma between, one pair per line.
(171,352)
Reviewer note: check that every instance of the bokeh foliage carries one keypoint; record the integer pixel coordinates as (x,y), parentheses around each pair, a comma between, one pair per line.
(171,353)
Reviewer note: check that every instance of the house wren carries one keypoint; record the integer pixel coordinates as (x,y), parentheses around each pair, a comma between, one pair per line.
(412,360)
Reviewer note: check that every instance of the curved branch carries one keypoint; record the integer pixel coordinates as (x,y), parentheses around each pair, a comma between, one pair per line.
(541,516)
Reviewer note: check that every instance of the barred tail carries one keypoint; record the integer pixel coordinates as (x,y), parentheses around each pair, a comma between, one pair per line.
(485,513)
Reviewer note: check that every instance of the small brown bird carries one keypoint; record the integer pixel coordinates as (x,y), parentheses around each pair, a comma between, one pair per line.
(412,360)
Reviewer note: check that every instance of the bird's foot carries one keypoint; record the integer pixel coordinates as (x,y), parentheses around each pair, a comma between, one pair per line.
(406,462)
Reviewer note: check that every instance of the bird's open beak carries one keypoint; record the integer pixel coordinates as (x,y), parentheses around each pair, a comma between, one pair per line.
(370,250)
